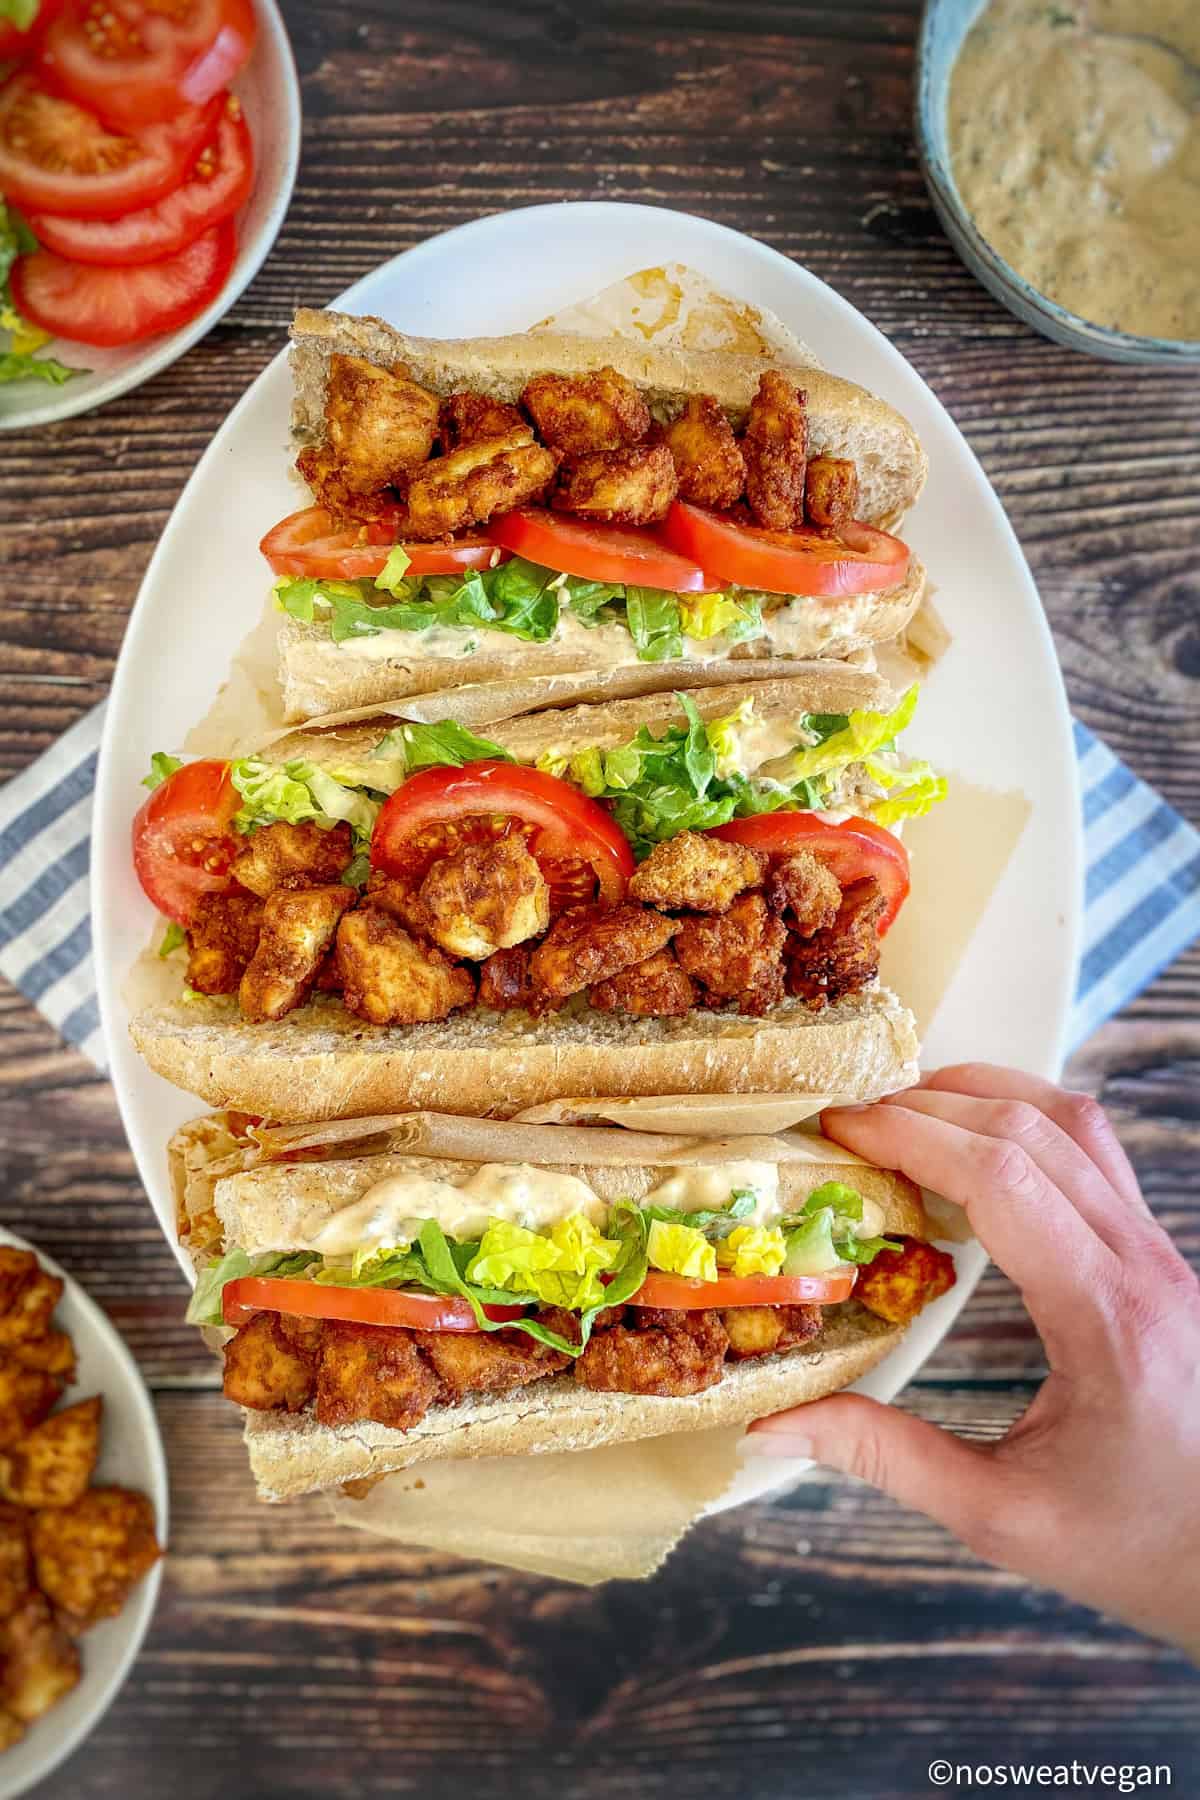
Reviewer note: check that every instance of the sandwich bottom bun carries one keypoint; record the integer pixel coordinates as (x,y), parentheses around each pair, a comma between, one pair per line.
(321,1062)
(291,1456)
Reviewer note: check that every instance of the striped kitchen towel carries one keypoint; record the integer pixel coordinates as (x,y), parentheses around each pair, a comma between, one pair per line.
(1141,901)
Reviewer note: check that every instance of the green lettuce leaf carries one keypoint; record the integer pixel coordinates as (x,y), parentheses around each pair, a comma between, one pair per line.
(161,765)
(299,791)
(205,1305)
(446,744)
(681,1250)
(172,938)
(737,616)
(715,1224)
(823,1233)
(561,1267)
(392,574)
(654,624)
(20,13)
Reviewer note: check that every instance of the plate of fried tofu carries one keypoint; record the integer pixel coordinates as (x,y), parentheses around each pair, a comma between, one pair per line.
(83,1514)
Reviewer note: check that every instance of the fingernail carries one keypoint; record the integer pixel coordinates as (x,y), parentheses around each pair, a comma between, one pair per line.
(853,1107)
(779,1445)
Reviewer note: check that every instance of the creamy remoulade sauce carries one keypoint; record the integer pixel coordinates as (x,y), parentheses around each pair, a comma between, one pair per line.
(1077,153)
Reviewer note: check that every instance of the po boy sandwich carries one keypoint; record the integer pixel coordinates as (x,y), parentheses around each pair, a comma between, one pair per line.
(393,1290)
(667,895)
(606,516)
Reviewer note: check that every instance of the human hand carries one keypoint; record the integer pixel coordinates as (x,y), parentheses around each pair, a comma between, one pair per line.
(1095,1490)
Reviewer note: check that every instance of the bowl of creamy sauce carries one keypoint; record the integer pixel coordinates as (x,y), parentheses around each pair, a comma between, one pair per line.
(1061,143)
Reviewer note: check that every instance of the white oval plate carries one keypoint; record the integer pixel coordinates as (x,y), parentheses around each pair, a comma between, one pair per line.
(994,711)
(131,1455)
(270,92)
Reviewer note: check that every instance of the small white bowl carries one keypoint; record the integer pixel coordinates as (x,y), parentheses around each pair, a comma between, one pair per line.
(269,90)
(131,1455)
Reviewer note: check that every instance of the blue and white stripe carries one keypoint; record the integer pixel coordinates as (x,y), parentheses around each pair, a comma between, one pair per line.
(1141,902)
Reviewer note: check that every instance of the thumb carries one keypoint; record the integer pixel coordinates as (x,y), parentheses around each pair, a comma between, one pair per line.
(918,1464)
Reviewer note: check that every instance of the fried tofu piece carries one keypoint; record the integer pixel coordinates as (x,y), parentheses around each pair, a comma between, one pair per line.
(266,1369)
(373,1372)
(764,1330)
(399,896)
(88,1556)
(378,423)
(466,417)
(774,445)
(320,468)
(701,873)
(504,980)
(486,476)
(28,1297)
(620,487)
(487,1362)
(39,1663)
(830,491)
(26,1396)
(16,1559)
(53,1354)
(11,1730)
(52,1464)
(736,955)
(581,413)
(588,944)
(899,1284)
(298,925)
(485,897)
(277,854)
(710,467)
(844,958)
(222,938)
(654,989)
(655,1352)
(805,891)
(392,978)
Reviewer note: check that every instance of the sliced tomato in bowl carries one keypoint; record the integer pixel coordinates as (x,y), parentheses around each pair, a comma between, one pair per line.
(853,848)
(676,1293)
(104,306)
(626,554)
(241,1299)
(439,808)
(218,184)
(136,62)
(183,838)
(856,559)
(56,156)
(311,543)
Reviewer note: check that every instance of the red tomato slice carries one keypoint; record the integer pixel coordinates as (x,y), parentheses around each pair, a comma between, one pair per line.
(853,849)
(563,826)
(220,181)
(618,553)
(122,306)
(856,559)
(241,1299)
(747,1290)
(56,157)
(309,543)
(136,62)
(182,841)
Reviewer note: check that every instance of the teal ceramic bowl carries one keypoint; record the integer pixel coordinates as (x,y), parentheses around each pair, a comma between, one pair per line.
(944,25)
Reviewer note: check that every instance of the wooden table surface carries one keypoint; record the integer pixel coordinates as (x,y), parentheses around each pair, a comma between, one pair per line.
(830,1644)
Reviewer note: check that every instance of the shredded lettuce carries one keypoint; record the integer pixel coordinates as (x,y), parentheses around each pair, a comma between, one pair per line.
(299,791)
(715,1224)
(655,623)
(172,938)
(561,1268)
(849,737)
(736,615)
(205,1305)
(430,746)
(161,765)
(753,1250)
(681,1250)
(824,1233)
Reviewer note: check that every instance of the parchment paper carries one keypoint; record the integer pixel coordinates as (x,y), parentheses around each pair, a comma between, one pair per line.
(599,1515)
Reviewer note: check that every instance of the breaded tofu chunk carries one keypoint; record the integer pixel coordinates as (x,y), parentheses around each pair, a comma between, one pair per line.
(378,423)
(222,937)
(844,958)
(763,1330)
(16,1559)
(703,874)
(737,954)
(581,413)
(830,491)
(88,1556)
(26,1396)
(774,446)
(266,1370)
(373,1372)
(655,989)
(392,978)
(39,1664)
(710,467)
(898,1284)
(487,1362)
(53,1463)
(805,890)
(298,925)
(485,476)
(277,853)
(655,1352)
(28,1297)
(485,897)
(620,487)
(466,417)
(588,944)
